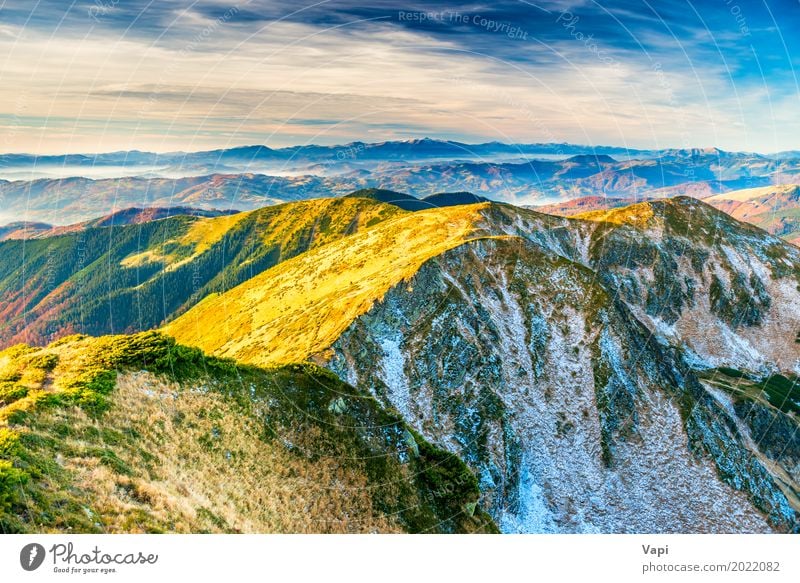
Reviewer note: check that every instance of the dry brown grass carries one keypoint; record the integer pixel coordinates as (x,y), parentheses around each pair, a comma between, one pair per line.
(197,464)
(202,445)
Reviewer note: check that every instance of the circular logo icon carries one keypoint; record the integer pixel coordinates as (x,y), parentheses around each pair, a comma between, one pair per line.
(31,556)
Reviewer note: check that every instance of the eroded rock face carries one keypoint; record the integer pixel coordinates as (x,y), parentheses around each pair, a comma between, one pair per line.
(724,292)
(518,356)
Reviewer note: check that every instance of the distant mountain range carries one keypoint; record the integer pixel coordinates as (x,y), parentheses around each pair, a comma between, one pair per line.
(335,160)
(699,173)
(424,148)
(390,150)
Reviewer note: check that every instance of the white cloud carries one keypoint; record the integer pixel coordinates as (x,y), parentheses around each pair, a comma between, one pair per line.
(238,85)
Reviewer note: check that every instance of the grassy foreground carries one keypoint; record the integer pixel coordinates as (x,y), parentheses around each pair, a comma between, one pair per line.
(139,434)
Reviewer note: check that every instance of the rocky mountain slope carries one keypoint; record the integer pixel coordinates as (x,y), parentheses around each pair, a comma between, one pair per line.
(102,280)
(724,291)
(137,434)
(598,374)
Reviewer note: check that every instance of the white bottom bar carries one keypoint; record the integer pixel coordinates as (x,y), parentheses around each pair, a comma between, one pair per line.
(406,559)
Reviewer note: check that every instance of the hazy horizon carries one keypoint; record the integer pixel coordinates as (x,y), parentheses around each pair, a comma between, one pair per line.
(331,144)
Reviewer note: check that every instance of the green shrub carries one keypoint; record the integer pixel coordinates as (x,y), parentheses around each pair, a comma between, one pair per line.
(10,377)
(9,443)
(11,479)
(10,392)
(44,361)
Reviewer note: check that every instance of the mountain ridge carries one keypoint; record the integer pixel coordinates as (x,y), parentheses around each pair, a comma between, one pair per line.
(130,278)
(647,354)
(488,304)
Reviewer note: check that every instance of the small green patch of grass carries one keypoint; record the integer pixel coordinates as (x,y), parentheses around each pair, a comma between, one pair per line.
(782,392)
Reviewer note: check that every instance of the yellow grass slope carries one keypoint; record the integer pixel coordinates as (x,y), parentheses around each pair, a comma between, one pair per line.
(635,214)
(322,220)
(301,306)
(200,236)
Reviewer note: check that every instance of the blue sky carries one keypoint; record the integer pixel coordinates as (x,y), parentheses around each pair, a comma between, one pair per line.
(139,74)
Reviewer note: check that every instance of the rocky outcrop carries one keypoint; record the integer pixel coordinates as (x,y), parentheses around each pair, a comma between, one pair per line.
(540,358)
(723,291)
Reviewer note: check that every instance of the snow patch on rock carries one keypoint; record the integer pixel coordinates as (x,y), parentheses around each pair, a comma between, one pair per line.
(533,514)
(394,376)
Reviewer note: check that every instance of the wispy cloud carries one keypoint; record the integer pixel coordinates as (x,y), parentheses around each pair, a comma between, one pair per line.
(108,75)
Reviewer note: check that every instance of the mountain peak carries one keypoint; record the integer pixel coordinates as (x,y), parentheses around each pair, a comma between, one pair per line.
(643,213)
(441,199)
(425,140)
(398,199)
(696,153)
